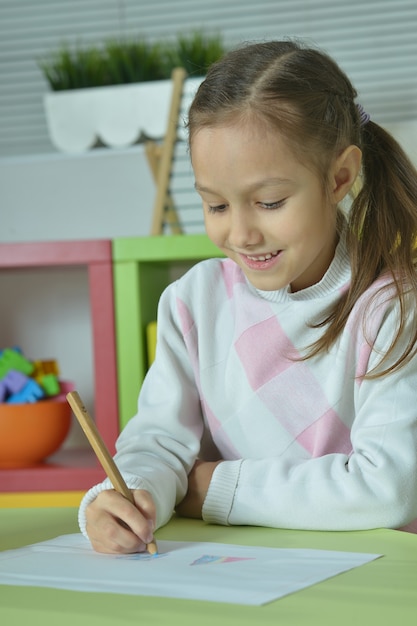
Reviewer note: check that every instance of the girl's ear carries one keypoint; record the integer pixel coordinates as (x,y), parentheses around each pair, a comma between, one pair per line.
(345,171)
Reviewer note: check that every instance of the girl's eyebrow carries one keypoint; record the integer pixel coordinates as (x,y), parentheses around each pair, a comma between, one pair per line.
(266,182)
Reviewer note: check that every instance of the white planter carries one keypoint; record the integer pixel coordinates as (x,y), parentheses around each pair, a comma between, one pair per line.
(117,116)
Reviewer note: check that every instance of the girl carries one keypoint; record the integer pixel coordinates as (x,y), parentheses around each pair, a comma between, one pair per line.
(284,390)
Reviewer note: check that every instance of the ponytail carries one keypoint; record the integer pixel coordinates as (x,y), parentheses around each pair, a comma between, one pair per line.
(381,237)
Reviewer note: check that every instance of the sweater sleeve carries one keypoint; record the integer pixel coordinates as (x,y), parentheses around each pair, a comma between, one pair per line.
(159,445)
(373,486)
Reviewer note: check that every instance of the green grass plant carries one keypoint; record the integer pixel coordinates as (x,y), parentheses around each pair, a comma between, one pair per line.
(130,61)
(196,53)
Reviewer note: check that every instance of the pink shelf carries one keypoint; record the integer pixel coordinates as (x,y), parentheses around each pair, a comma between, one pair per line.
(68,470)
(72,470)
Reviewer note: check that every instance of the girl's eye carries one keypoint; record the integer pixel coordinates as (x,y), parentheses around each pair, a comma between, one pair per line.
(273,205)
(218,208)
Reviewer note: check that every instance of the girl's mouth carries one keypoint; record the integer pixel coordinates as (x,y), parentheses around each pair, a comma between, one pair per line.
(261,261)
(263,257)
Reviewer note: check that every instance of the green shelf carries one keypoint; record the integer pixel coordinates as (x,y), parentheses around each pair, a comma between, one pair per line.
(143,267)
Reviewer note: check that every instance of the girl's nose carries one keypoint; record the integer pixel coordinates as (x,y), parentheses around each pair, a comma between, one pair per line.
(243,230)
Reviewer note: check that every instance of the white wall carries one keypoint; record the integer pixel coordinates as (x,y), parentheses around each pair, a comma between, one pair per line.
(98,194)
(406,135)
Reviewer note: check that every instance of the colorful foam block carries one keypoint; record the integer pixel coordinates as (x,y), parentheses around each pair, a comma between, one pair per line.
(31,392)
(49,384)
(12,383)
(42,368)
(11,359)
(15,381)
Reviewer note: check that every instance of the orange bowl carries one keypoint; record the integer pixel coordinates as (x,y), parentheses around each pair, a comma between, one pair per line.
(29,433)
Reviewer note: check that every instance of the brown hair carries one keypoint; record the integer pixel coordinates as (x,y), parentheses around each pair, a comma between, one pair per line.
(304,94)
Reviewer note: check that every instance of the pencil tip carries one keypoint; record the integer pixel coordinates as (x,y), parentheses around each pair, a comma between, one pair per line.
(152,548)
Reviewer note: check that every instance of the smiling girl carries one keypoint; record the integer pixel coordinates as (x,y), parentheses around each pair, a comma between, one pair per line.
(283,392)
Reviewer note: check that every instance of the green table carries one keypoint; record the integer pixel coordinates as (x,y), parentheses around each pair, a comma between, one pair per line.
(383,592)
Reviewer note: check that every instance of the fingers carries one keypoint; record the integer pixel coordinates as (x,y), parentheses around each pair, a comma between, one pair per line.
(116,526)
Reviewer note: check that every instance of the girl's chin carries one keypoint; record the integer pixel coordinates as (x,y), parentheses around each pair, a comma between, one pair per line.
(264,283)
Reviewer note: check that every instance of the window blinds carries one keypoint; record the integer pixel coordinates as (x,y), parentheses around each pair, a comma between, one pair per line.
(375,42)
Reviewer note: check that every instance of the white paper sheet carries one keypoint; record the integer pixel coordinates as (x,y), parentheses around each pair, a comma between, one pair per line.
(197,571)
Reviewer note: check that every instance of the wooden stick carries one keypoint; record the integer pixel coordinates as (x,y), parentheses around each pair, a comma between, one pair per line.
(168,151)
(90,429)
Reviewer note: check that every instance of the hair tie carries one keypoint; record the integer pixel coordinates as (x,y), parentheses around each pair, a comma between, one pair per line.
(364,117)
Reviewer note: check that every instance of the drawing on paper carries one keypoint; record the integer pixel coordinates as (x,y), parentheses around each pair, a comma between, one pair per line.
(205,559)
(141,556)
(208,558)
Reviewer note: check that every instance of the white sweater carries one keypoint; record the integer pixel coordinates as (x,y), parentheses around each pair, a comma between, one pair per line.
(306,444)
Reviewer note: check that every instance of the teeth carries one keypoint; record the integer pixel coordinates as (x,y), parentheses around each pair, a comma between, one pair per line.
(263,257)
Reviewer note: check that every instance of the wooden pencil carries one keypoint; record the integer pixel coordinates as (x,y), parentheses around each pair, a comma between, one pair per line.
(90,429)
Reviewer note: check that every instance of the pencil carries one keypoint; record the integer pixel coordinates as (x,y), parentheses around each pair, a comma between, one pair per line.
(90,429)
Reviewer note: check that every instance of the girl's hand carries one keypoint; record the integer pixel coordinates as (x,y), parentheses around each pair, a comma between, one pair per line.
(198,484)
(116,526)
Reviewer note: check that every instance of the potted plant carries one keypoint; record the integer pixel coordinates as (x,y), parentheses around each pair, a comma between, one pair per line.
(120,93)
